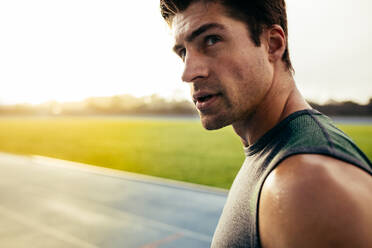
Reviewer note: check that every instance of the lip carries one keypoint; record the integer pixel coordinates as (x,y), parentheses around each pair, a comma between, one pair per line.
(206,104)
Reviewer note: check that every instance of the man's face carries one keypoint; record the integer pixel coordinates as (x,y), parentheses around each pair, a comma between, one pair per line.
(229,76)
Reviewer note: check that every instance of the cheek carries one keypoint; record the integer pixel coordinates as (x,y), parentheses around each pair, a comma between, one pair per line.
(248,82)
(231,73)
(241,67)
(243,77)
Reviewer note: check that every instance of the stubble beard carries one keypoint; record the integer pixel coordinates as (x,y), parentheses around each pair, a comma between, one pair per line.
(222,117)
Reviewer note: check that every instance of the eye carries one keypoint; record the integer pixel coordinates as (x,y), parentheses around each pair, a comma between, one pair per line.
(182,53)
(210,40)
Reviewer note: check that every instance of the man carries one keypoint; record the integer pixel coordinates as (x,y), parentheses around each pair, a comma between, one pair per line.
(304,183)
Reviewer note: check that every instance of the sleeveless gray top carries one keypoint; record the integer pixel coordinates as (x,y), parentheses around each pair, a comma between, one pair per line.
(306,131)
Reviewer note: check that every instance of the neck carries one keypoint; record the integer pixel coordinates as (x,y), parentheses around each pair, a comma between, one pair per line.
(282,99)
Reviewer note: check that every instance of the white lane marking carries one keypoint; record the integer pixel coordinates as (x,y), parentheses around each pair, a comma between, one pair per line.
(75,212)
(45,229)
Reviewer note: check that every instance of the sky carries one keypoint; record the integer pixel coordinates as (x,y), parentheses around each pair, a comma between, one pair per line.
(73,49)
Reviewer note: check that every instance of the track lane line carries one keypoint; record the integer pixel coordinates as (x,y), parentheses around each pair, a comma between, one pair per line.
(45,229)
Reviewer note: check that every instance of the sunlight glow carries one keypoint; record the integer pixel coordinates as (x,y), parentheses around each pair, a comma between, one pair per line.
(70,50)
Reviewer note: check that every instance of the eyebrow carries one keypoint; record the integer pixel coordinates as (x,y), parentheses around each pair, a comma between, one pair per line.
(199,31)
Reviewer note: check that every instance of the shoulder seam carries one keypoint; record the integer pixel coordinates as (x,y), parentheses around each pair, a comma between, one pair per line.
(325,133)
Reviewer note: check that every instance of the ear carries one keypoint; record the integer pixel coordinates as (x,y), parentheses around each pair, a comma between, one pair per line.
(276,42)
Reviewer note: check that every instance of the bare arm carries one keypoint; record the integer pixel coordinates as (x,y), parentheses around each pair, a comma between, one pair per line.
(316,201)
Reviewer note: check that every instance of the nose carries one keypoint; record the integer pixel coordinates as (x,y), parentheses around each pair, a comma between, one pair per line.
(196,67)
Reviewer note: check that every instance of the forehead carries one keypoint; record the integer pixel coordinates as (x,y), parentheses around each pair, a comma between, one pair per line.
(196,15)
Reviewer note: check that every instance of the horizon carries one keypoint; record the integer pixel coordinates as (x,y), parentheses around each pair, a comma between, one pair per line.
(171,98)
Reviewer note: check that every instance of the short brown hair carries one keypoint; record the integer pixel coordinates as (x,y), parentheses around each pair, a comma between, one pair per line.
(257,14)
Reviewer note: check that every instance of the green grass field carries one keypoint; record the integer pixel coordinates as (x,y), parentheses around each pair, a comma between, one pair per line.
(176,149)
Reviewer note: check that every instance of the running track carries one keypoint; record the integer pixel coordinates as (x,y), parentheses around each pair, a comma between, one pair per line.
(53,203)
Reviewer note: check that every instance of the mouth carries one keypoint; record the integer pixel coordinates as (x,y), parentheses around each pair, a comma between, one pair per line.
(204,98)
(204,101)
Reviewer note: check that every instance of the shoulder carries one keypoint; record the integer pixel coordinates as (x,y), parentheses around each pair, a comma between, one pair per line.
(316,201)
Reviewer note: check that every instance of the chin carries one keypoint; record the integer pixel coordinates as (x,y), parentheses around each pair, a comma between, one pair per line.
(213,123)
